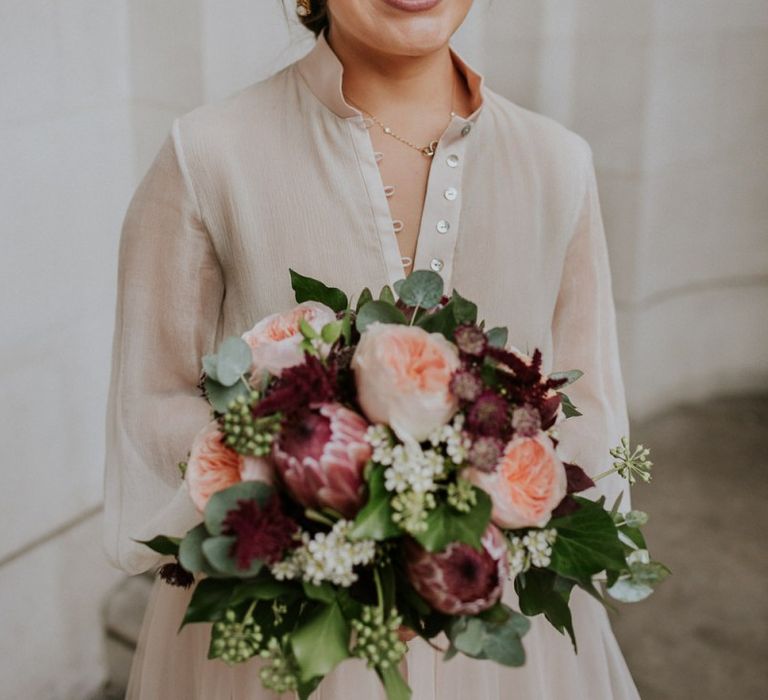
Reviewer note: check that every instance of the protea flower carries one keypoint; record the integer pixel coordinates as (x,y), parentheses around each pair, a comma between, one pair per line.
(320,455)
(460,580)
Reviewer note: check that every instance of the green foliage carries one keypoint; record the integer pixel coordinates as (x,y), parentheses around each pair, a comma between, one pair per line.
(162,544)
(587,542)
(497,337)
(374,521)
(543,591)
(570,375)
(378,311)
(308,289)
(394,685)
(496,636)
(422,288)
(216,551)
(446,525)
(223,501)
(320,641)
(221,396)
(569,409)
(387,295)
(233,359)
(191,555)
(365,297)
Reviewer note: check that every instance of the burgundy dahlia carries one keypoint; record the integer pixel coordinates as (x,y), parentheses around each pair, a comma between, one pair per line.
(320,455)
(261,532)
(460,580)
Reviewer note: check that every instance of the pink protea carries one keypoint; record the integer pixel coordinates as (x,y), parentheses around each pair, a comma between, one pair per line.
(320,455)
(460,580)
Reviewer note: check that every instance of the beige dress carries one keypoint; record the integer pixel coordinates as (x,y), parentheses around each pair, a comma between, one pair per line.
(283,175)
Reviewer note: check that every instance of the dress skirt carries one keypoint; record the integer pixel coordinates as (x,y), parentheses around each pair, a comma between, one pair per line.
(171,666)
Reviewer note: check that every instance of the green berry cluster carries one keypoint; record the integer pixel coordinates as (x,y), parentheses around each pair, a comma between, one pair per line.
(244,433)
(377,640)
(462,496)
(410,510)
(234,642)
(281,673)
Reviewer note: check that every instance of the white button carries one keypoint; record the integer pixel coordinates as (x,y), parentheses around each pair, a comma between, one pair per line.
(436,264)
(467,128)
(451,193)
(452,160)
(443,226)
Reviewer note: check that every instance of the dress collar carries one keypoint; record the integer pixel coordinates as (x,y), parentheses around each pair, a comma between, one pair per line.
(322,70)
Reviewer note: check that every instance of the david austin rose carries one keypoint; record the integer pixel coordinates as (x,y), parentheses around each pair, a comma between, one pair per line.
(403,375)
(275,340)
(320,455)
(460,580)
(213,467)
(527,484)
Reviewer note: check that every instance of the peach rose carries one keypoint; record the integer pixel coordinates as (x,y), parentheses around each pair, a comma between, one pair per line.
(213,467)
(402,375)
(527,484)
(275,340)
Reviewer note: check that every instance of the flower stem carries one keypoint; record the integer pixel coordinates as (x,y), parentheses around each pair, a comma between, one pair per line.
(379,591)
(250,610)
(415,311)
(604,474)
(318,517)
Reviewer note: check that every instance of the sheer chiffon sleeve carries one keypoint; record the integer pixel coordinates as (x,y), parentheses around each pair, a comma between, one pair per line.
(169,293)
(584,337)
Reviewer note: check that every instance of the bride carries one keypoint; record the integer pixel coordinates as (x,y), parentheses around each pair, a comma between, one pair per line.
(379,152)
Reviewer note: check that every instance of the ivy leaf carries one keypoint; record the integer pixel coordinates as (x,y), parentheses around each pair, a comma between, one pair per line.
(422,288)
(223,501)
(321,641)
(374,521)
(162,544)
(441,321)
(209,600)
(323,593)
(543,591)
(464,311)
(497,337)
(445,525)
(308,289)
(378,311)
(587,542)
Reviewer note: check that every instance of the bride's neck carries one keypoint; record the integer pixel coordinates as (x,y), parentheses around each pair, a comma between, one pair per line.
(381,83)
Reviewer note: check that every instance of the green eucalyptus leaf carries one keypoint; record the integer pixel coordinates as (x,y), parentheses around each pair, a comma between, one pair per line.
(233,359)
(374,521)
(422,288)
(223,501)
(216,550)
(587,542)
(320,641)
(497,337)
(210,366)
(308,289)
(570,376)
(162,544)
(191,555)
(221,396)
(499,639)
(378,311)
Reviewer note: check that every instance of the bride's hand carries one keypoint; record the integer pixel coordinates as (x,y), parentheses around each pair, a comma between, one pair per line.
(406,634)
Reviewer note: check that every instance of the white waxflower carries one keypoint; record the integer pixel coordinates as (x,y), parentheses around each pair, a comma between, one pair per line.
(539,545)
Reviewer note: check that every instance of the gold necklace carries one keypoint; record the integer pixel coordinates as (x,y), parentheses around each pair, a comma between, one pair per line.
(428,150)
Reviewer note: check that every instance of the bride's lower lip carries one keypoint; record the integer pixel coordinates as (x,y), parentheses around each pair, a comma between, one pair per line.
(413,5)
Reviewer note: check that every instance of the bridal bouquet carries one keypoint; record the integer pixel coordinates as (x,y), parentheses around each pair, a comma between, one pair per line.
(388,469)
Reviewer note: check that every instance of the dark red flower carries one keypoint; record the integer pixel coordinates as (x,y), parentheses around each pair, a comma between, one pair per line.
(485,453)
(489,415)
(311,382)
(175,574)
(466,385)
(526,420)
(262,532)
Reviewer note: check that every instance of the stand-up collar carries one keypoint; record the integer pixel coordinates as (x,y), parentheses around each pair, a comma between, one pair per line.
(323,70)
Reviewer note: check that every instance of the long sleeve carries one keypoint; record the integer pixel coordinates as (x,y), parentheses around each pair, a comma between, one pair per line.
(584,337)
(169,294)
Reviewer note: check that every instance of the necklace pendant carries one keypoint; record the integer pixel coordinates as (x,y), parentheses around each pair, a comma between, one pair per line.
(429,151)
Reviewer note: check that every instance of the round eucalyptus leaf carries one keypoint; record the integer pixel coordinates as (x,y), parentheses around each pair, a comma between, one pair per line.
(223,501)
(216,550)
(422,288)
(233,359)
(378,311)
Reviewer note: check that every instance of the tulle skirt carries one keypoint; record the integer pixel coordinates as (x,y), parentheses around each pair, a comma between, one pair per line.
(171,666)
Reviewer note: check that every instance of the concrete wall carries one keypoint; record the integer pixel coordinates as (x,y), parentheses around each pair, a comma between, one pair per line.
(671,96)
